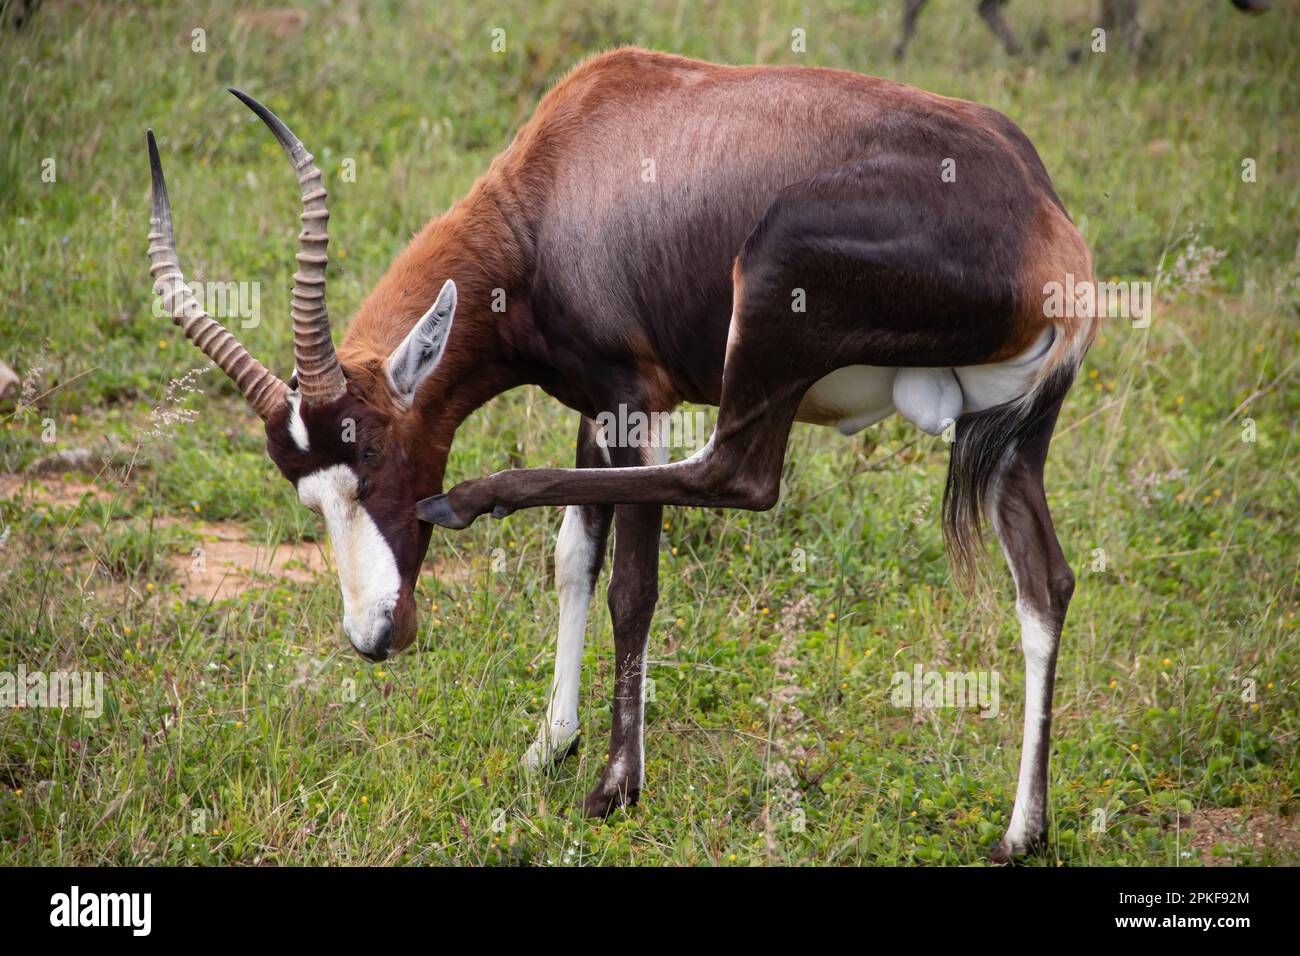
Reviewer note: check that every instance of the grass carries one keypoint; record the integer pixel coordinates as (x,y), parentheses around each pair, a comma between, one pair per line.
(245,731)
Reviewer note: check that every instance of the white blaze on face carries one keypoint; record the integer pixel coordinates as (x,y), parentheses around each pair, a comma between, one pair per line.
(367,567)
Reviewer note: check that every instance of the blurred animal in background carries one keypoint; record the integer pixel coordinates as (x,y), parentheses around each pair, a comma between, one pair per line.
(17,13)
(1120,17)
(989,10)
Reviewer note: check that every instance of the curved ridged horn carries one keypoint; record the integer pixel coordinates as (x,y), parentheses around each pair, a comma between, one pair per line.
(256,383)
(320,377)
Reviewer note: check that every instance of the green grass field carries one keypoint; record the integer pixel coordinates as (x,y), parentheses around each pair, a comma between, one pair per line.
(244,730)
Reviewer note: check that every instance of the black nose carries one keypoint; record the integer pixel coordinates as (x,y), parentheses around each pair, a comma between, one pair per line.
(383,641)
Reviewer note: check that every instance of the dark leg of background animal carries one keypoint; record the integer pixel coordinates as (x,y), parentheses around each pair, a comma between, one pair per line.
(911,10)
(1044,584)
(579,555)
(991,11)
(1121,21)
(18,13)
(633,593)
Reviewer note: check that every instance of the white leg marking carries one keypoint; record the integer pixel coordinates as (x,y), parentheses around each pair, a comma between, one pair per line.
(1029,814)
(1038,642)
(574,553)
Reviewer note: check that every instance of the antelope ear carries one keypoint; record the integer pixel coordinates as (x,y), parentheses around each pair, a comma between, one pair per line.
(419,353)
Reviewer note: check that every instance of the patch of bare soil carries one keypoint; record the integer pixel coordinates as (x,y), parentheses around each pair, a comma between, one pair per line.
(64,492)
(226,563)
(1242,837)
(231,564)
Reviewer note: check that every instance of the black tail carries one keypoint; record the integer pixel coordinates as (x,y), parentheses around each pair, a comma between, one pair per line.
(984,440)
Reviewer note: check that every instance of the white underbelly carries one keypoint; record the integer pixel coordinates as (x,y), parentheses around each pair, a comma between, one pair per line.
(853,397)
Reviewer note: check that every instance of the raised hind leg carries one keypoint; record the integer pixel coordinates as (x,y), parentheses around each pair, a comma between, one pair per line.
(740,467)
(1044,584)
(851,267)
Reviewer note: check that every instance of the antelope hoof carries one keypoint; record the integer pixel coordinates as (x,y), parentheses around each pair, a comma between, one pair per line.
(1003,855)
(603,801)
(437,511)
(1009,852)
(545,754)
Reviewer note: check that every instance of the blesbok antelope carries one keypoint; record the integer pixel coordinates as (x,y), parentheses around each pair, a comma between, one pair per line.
(920,231)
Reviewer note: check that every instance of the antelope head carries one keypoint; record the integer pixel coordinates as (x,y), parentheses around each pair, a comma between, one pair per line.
(345,448)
